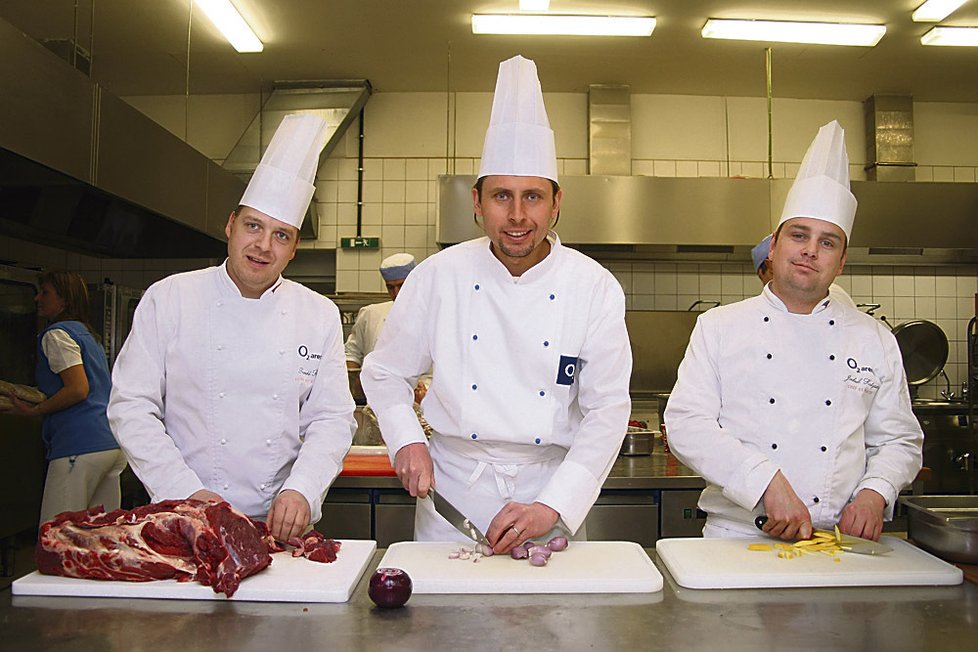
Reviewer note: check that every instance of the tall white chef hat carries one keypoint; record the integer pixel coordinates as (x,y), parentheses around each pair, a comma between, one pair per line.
(821,189)
(519,141)
(396,267)
(282,185)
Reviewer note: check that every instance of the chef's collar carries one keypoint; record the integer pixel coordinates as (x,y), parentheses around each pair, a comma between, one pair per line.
(535,272)
(230,289)
(777,303)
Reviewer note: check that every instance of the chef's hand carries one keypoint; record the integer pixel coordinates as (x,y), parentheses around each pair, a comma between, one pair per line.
(289,515)
(206,496)
(414,469)
(863,517)
(519,522)
(787,517)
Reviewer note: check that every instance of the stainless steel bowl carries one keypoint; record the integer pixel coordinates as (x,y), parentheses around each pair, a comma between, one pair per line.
(637,442)
(946,526)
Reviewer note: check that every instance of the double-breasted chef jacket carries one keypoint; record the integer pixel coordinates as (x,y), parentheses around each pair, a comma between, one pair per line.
(530,378)
(823,397)
(243,397)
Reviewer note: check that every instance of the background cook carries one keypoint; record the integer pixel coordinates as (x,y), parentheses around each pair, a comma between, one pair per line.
(792,404)
(84,460)
(529,401)
(370,319)
(232,384)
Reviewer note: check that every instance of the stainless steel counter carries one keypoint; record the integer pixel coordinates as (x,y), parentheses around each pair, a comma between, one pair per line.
(889,618)
(656,471)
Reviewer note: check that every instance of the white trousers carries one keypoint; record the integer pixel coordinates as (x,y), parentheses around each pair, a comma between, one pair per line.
(78,482)
(479,479)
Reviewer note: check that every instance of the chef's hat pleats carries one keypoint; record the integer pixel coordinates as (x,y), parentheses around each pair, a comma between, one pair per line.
(282,185)
(519,140)
(821,188)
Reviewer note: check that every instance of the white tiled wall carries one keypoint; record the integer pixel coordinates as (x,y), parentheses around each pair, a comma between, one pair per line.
(943,295)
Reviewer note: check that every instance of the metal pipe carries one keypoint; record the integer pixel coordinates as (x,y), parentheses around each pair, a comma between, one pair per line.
(360,176)
(770,129)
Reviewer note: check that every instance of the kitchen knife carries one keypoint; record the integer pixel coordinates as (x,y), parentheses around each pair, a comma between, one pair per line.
(847,542)
(457,519)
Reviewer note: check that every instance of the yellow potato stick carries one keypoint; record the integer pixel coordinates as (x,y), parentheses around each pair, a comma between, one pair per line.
(787,547)
(838,535)
(760,547)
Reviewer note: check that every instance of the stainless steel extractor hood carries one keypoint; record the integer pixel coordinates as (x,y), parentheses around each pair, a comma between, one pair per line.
(721,219)
(338,102)
(81,169)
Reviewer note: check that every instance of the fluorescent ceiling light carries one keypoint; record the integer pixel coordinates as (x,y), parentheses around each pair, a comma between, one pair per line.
(966,36)
(227,19)
(793,32)
(934,11)
(552,24)
(534,5)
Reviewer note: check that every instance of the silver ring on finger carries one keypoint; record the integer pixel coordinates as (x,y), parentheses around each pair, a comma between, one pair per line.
(516,530)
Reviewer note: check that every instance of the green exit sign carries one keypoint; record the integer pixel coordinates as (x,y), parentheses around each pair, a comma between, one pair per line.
(360,243)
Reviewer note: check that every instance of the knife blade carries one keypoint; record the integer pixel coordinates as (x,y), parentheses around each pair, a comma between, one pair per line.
(456,518)
(847,542)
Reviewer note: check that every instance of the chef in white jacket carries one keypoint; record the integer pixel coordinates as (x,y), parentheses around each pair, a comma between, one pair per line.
(232,384)
(529,401)
(792,404)
(370,319)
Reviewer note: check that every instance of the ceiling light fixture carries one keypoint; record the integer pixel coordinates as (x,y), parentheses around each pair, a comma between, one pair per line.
(960,36)
(562,25)
(934,11)
(795,32)
(534,5)
(234,28)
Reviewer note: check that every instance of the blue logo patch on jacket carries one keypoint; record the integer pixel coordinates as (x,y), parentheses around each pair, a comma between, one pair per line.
(566,370)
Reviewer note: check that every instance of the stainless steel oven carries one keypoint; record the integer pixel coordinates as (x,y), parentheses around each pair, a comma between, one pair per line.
(111,311)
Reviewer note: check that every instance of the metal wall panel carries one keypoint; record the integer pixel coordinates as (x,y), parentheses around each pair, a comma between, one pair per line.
(46,112)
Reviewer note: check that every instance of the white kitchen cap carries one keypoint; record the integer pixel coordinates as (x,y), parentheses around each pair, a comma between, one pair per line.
(396,267)
(821,189)
(760,251)
(519,141)
(282,184)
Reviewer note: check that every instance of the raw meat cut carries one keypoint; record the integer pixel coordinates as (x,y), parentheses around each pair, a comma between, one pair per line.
(315,547)
(173,539)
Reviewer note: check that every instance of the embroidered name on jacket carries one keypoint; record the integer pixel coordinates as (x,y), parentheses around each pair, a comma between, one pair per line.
(861,378)
(566,370)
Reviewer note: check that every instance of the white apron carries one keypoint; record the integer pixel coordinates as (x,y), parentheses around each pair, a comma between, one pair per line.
(484,478)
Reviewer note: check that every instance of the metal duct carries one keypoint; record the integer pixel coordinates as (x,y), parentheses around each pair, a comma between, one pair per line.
(338,102)
(84,170)
(609,112)
(889,138)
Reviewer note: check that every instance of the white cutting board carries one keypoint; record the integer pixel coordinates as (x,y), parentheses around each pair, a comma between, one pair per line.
(585,567)
(288,579)
(728,564)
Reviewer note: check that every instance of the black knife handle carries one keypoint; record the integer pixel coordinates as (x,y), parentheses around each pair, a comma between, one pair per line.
(760,521)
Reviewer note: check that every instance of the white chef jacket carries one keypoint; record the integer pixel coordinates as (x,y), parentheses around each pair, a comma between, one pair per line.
(366,331)
(823,397)
(243,397)
(530,367)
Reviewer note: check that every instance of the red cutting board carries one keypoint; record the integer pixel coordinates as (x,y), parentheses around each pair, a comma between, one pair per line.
(585,567)
(367,465)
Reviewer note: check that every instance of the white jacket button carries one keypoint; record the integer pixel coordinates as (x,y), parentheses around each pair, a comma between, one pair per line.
(223,441)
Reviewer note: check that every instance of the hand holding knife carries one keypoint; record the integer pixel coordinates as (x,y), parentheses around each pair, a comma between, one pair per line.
(846,542)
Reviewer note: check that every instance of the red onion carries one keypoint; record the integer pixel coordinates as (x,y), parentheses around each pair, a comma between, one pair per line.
(557,544)
(519,552)
(540,550)
(538,560)
(389,588)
